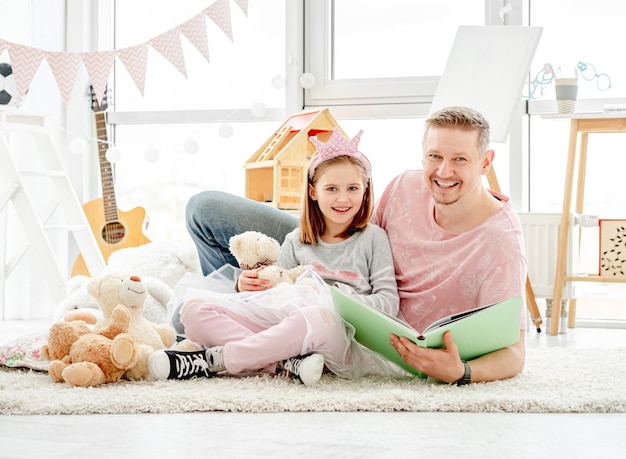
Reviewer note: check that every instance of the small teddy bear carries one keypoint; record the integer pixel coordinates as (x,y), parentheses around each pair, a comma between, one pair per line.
(253,249)
(82,358)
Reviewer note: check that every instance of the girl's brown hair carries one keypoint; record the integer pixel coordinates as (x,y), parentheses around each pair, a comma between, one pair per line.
(312,223)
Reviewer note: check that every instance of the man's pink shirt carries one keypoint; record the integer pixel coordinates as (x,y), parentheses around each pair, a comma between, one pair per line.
(442,273)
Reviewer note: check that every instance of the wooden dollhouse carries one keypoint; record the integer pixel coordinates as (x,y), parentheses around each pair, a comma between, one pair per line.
(276,172)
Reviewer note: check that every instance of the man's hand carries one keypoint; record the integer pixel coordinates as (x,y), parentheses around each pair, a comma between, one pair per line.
(249,281)
(443,364)
(446,365)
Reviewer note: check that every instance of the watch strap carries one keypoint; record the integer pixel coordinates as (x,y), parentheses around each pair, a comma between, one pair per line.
(467,377)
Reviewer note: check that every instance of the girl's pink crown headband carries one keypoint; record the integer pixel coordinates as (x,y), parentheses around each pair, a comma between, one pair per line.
(338,145)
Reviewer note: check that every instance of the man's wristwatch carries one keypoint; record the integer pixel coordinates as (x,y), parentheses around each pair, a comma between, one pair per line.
(467,377)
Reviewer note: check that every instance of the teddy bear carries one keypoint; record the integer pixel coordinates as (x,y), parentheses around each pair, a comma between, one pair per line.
(112,289)
(253,249)
(88,315)
(82,358)
(161,265)
(80,304)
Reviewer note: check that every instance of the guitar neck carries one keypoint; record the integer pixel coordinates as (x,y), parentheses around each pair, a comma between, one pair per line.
(106,170)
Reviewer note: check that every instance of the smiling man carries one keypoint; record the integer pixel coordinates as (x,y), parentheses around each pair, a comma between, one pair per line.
(456,244)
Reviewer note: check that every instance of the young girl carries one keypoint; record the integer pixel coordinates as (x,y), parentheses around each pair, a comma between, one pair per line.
(295,328)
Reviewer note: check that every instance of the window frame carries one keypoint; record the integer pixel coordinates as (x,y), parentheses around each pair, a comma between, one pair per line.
(391,96)
(373,97)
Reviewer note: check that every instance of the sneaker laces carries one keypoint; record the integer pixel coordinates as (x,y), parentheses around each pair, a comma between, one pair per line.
(292,364)
(190,365)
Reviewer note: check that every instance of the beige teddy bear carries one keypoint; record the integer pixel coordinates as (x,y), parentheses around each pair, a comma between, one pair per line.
(82,358)
(253,249)
(112,289)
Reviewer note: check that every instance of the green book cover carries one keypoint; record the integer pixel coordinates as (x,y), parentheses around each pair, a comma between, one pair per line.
(476,332)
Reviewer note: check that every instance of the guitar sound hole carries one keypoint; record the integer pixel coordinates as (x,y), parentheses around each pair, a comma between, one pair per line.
(113,232)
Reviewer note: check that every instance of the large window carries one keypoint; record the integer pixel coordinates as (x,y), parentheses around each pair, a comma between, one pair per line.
(377,69)
(576,32)
(239,73)
(159,167)
(580,31)
(586,33)
(403,39)
(360,53)
(374,64)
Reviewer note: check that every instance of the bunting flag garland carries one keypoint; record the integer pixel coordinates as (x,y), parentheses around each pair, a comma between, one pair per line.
(169,45)
(135,60)
(243,5)
(26,60)
(219,12)
(195,31)
(64,67)
(98,65)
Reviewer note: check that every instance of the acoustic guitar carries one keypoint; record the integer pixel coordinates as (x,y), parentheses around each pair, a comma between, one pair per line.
(112,228)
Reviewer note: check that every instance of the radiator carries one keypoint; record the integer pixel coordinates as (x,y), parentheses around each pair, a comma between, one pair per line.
(541,237)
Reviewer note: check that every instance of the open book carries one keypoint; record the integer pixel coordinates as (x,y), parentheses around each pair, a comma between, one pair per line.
(476,332)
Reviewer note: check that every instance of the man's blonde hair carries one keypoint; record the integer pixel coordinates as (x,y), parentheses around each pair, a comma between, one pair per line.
(464,118)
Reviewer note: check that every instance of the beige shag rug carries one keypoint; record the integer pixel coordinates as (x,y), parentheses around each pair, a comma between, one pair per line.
(556,380)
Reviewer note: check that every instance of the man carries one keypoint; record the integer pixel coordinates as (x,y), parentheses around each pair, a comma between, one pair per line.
(456,245)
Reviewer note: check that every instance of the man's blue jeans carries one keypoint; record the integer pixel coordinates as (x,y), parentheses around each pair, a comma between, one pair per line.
(213,217)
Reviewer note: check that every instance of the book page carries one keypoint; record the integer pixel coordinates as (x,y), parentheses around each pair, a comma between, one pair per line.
(453,318)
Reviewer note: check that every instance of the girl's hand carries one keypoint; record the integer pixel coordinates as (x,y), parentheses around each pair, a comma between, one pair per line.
(249,281)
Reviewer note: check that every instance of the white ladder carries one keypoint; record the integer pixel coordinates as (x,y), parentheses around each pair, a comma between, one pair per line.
(12,190)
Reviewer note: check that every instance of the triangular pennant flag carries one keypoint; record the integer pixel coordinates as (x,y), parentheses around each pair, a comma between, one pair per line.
(64,67)
(219,12)
(98,65)
(25,62)
(168,44)
(243,5)
(135,59)
(195,31)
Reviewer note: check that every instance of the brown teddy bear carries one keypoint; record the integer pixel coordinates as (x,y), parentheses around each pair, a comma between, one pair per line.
(253,249)
(83,358)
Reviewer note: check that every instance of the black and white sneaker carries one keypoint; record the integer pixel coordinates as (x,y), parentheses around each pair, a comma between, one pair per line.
(171,364)
(308,368)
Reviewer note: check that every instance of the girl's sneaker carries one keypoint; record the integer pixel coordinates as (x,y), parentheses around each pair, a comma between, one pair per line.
(308,368)
(172,364)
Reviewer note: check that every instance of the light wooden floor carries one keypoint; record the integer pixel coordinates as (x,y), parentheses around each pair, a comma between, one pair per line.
(324,435)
